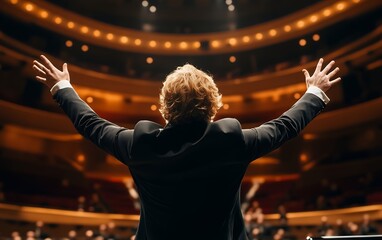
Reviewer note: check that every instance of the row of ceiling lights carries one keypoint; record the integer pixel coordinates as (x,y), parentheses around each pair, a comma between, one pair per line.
(184,45)
(231,59)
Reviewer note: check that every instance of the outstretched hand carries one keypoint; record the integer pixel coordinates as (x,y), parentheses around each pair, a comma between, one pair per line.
(321,78)
(48,74)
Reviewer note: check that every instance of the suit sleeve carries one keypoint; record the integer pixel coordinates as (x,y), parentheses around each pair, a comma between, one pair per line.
(271,135)
(106,135)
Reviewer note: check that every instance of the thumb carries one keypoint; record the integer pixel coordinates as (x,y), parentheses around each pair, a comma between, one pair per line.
(306,73)
(65,67)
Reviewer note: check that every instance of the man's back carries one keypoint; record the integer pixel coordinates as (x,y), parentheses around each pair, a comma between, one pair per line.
(188,178)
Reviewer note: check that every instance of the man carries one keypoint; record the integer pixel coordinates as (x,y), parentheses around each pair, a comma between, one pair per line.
(188,173)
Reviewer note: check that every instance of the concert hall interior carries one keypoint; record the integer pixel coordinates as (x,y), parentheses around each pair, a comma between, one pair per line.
(327,181)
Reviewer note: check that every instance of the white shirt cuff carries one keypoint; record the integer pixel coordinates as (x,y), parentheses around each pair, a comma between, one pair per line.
(319,93)
(60,85)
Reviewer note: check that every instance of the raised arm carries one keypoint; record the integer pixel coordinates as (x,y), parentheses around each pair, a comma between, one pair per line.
(98,130)
(273,134)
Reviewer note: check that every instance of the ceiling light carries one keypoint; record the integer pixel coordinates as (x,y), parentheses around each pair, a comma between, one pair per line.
(149,60)
(341,6)
(29,7)
(215,43)
(259,36)
(196,44)
(84,48)
(327,12)
(138,41)
(302,42)
(232,59)
(183,45)
(70,24)
(44,14)
(231,8)
(272,32)
(167,44)
(124,39)
(246,39)
(68,43)
(96,33)
(110,36)
(316,37)
(153,9)
(145,3)
(313,18)
(287,28)
(232,41)
(84,29)
(300,24)
(152,43)
(57,20)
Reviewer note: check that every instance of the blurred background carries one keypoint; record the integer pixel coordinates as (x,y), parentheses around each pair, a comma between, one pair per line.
(327,181)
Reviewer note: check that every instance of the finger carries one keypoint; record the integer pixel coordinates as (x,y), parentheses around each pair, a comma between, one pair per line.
(41,66)
(335,81)
(328,67)
(41,79)
(332,73)
(37,69)
(319,66)
(48,63)
(65,67)
(306,73)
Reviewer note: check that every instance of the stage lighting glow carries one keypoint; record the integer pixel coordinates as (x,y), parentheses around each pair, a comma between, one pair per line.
(138,41)
(226,106)
(232,59)
(14,1)
(297,96)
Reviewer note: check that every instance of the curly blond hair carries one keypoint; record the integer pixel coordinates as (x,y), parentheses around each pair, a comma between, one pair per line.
(189,95)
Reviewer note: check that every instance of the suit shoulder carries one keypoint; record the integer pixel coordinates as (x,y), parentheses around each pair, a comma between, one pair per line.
(228,125)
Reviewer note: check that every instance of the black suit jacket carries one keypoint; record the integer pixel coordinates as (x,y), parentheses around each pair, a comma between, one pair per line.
(188,177)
